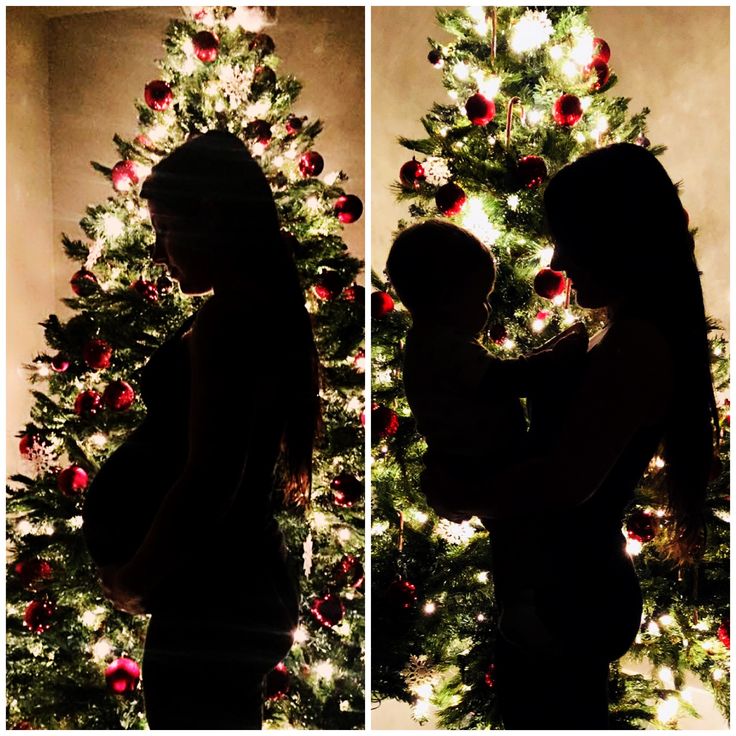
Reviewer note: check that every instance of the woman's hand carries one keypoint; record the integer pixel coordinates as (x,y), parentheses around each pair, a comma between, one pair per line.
(121,589)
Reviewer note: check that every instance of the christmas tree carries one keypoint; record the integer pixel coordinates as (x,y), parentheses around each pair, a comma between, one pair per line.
(73,661)
(530,93)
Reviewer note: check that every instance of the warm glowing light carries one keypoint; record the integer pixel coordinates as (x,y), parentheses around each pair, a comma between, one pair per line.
(666,677)
(633,547)
(538,325)
(556,52)
(482,577)
(718,674)
(188,66)
(660,513)
(480,617)
(586,102)
(355,404)
(530,32)
(558,300)
(717,350)
(702,625)
(443,132)
(534,116)
(98,439)
(101,649)
(570,69)
(666,620)
(653,629)
(420,516)
(508,344)
(513,202)
(580,137)
(23,527)
(313,203)
(429,607)
(75,522)
(568,318)
(423,690)
(667,710)
(379,527)
(457,145)
(324,670)
(658,462)
(582,51)
(488,86)
(461,70)
(600,127)
(300,635)
(291,153)
(112,226)
(474,218)
(158,132)
(188,47)
(344,534)
(319,520)
(258,148)
(211,88)
(219,105)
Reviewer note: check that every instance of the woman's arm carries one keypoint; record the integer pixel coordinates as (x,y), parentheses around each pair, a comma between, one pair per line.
(627,386)
(221,420)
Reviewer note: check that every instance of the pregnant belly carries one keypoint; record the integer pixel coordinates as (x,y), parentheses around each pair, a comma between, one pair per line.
(123,499)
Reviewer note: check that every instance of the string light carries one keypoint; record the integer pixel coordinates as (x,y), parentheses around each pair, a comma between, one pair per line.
(429,607)
(633,547)
(188,66)
(344,534)
(508,344)
(702,625)
(23,527)
(92,618)
(101,649)
(75,522)
(582,51)
(653,629)
(534,116)
(379,527)
(488,86)
(419,516)
(586,102)
(570,69)
(513,202)
(482,577)
(188,47)
(667,710)
(474,218)
(718,674)
(666,620)
(568,317)
(556,52)
(461,70)
(580,137)
(480,617)
(443,132)
(158,132)
(313,203)
(324,670)
(112,226)
(530,32)
(666,677)
(319,520)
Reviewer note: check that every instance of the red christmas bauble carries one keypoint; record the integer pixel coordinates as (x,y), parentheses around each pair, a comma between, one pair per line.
(60,362)
(87,404)
(277,682)
(118,396)
(599,72)
(412,174)
(384,421)
(122,676)
(601,50)
(549,284)
(567,110)
(158,95)
(311,164)
(32,572)
(724,634)
(262,42)
(97,354)
(434,57)
(402,594)
(263,78)
(260,130)
(329,285)
(164,285)
(346,490)
(24,726)
(480,110)
(641,526)
(349,572)
(124,176)
(294,124)
(38,615)
(381,303)
(72,480)
(354,293)
(328,610)
(206,46)
(146,290)
(497,334)
(348,208)
(84,282)
(490,676)
(531,171)
(450,199)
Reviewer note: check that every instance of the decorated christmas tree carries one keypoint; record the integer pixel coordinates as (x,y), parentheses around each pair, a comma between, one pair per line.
(72,660)
(530,91)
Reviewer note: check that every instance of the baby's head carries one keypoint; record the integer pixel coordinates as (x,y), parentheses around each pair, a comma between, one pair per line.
(442,273)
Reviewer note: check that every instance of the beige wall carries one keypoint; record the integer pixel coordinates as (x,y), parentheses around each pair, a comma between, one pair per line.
(674,60)
(73,74)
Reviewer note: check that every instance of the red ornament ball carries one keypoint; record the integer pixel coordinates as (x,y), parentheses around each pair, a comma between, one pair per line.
(531,171)
(599,72)
(124,176)
(724,634)
(87,404)
(294,124)
(450,199)
(402,594)
(158,95)
(434,57)
(122,676)
(490,676)
(549,284)
(72,480)
(259,130)
(329,285)
(412,174)
(38,615)
(348,208)
(118,396)
(349,572)
(84,282)
(277,682)
(479,109)
(311,164)
(30,443)
(567,110)
(601,50)
(263,43)
(33,572)
(384,422)
(328,610)
(381,304)
(346,490)
(206,46)
(354,293)
(147,290)
(60,362)
(97,354)
(641,526)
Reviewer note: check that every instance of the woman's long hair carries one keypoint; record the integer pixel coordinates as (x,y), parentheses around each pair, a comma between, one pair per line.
(214,172)
(618,213)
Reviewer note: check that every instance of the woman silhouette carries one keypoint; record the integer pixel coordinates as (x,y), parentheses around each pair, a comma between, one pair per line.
(231,399)
(621,235)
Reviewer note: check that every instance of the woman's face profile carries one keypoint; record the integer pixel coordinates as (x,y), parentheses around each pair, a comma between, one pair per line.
(182,247)
(591,292)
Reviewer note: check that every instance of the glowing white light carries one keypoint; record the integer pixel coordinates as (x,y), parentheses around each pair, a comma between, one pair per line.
(75,522)
(491,140)
(538,325)
(508,344)
(379,527)
(423,690)
(313,203)
(429,607)
(43,370)
(666,677)
(585,103)
(457,145)
(570,69)
(480,617)
(667,709)
(258,109)
(558,300)
(188,47)
(324,670)
(158,132)
(534,116)
(658,462)
(443,132)
(666,620)
(89,619)
(653,629)
(101,649)
(580,137)
(556,52)
(702,625)
(23,527)
(461,70)
(475,219)
(530,32)
(258,148)
(482,577)
(319,520)
(188,66)
(660,513)
(633,547)
(452,94)
(718,674)
(421,709)
(112,226)
(211,88)
(717,350)
(568,318)
(455,533)
(476,12)
(344,534)
(513,202)
(420,516)
(488,86)
(47,528)
(582,51)
(638,639)
(601,126)
(355,404)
